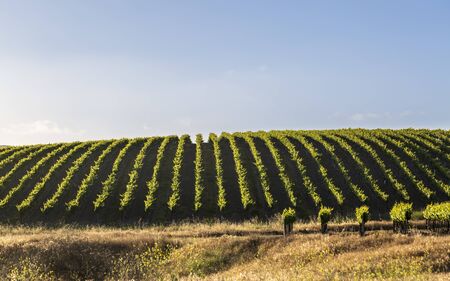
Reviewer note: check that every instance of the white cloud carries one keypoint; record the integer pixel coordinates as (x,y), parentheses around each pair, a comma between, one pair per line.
(38,131)
(367,116)
(371,116)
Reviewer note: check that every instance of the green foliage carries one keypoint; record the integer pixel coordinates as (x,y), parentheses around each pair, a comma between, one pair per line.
(22,161)
(401,212)
(431,144)
(153,259)
(288,216)
(410,174)
(64,184)
(362,214)
(29,269)
(330,149)
(221,198)
(401,189)
(147,265)
(317,157)
(17,152)
(38,187)
(110,182)
(132,185)
(3,148)
(442,137)
(92,175)
(287,182)
(246,197)
(299,161)
(152,184)
(264,178)
(199,187)
(438,212)
(366,172)
(406,145)
(176,179)
(360,161)
(325,214)
(30,173)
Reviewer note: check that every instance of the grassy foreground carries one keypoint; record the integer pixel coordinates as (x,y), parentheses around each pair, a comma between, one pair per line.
(221,251)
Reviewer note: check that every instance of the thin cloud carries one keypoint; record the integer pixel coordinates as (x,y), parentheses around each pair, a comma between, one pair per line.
(40,131)
(361,117)
(366,116)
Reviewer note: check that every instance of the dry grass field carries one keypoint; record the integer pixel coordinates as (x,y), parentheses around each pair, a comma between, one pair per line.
(222,251)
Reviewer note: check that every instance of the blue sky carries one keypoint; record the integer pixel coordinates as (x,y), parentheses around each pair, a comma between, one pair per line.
(75,70)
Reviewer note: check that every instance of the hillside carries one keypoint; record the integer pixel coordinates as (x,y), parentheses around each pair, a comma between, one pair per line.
(233,176)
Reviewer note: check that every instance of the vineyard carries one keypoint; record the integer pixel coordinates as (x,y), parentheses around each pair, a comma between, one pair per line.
(232,176)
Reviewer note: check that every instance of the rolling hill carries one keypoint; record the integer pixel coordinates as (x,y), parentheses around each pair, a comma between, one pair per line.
(232,176)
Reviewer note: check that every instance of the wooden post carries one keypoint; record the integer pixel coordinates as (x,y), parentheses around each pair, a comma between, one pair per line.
(324,228)
(362,229)
(404,227)
(288,227)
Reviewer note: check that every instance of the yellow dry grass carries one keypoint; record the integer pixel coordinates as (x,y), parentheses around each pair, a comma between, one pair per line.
(221,251)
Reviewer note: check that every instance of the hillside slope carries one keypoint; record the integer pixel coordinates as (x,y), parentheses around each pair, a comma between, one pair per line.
(233,176)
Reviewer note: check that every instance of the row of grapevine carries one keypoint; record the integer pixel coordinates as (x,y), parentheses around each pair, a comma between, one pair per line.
(301,166)
(444,138)
(402,164)
(343,170)
(221,197)
(18,154)
(423,147)
(336,191)
(134,174)
(38,187)
(64,184)
(282,174)
(199,187)
(176,178)
(6,152)
(92,175)
(429,145)
(246,197)
(435,140)
(109,184)
(367,174)
(35,169)
(399,187)
(153,183)
(264,179)
(424,168)
(5,178)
